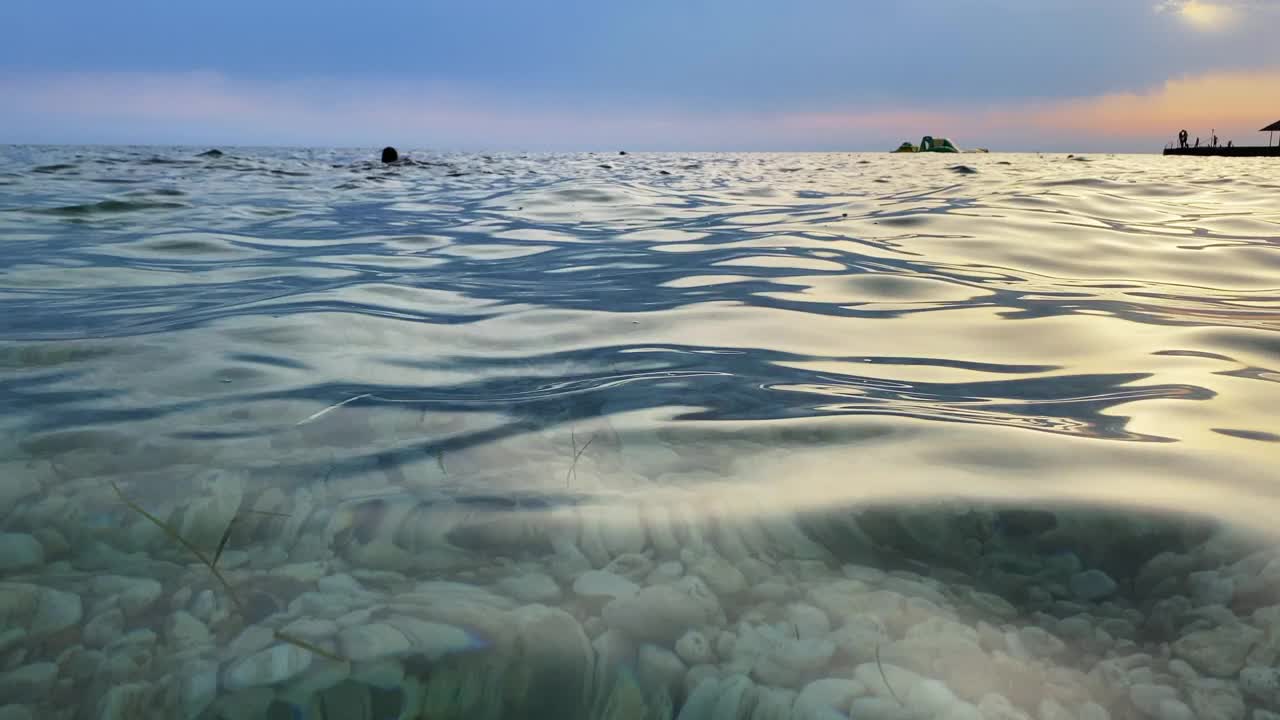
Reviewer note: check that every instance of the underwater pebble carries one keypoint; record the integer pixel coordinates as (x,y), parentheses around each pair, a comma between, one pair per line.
(530,587)
(104,628)
(701,702)
(1092,711)
(1147,697)
(19,551)
(340,584)
(430,640)
(1262,684)
(364,643)
(56,611)
(385,673)
(1220,652)
(603,585)
(962,711)
(139,596)
(731,700)
(1173,709)
(203,605)
(659,613)
(312,628)
(792,664)
(250,640)
(15,712)
(658,667)
(809,621)
(928,698)
(271,666)
(877,708)
(1092,585)
(771,591)
(614,649)
(29,683)
(1210,588)
(694,648)
(1051,709)
(829,695)
(199,687)
(666,572)
(632,566)
(127,702)
(184,630)
(19,482)
(1040,643)
(720,575)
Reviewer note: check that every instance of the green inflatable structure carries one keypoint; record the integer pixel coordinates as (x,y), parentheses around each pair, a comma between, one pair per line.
(929,143)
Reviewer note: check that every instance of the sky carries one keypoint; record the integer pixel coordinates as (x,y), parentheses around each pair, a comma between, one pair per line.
(1023,75)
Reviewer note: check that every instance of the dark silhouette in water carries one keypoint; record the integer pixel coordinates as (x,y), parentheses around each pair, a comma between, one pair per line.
(211,153)
(389,154)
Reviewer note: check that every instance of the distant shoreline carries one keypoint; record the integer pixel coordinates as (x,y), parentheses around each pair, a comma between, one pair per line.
(1234,151)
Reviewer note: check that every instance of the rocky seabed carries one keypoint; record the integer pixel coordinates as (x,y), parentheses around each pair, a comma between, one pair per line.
(668,605)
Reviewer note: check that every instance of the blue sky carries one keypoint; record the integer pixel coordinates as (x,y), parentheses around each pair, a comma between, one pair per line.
(661,74)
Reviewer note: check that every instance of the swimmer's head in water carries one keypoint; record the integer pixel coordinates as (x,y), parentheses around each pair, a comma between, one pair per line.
(389,154)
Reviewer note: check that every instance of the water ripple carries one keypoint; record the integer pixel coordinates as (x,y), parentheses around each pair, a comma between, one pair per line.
(1018,314)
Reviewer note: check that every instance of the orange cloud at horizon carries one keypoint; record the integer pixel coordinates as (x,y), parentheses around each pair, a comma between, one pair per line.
(1235,103)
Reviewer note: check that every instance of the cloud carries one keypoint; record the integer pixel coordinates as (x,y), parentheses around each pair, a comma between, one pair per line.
(212,108)
(1215,14)
(1236,104)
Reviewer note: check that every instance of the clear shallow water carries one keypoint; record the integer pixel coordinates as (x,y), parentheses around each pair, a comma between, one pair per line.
(453,370)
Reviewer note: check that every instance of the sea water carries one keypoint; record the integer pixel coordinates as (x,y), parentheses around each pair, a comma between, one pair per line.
(290,433)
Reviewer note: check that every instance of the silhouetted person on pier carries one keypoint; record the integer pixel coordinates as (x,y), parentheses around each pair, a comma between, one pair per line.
(389,154)
(1215,137)
(1182,138)
(1197,142)
(1228,143)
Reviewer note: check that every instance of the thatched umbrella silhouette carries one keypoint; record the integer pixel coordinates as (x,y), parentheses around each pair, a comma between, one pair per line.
(1271,130)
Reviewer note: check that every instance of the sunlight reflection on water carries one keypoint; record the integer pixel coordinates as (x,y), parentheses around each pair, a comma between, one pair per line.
(465,385)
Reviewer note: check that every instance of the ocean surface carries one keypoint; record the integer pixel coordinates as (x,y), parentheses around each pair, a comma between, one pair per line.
(290,433)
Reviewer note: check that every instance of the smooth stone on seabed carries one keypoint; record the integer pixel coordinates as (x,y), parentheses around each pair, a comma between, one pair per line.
(694,648)
(56,611)
(532,587)
(19,551)
(272,666)
(184,630)
(29,683)
(139,596)
(1262,684)
(878,708)
(1091,585)
(103,628)
(374,641)
(1148,697)
(1220,652)
(794,663)
(15,712)
(827,694)
(659,668)
(720,575)
(603,585)
(433,640)
(661,613)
